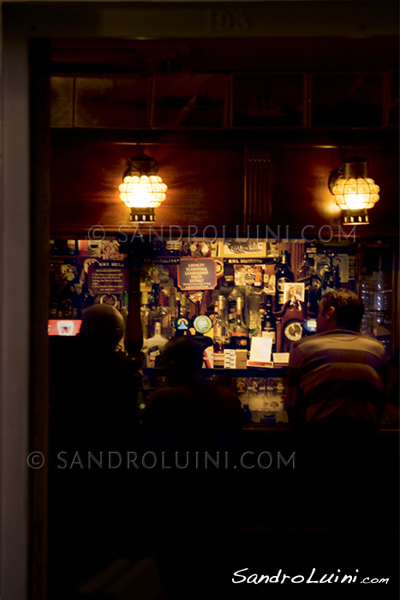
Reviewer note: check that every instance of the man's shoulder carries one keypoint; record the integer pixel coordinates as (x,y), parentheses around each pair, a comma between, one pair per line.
(342,338)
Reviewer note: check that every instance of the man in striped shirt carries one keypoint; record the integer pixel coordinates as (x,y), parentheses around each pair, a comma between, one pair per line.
(336,377)
(336,394)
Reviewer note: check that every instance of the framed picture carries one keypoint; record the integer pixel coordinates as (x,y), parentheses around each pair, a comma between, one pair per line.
(236,248)
(112,102)
(347,99)
(190,100)
(293,292)
(268,99)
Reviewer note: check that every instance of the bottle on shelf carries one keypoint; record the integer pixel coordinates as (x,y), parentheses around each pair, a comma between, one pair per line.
(164,314)
(329,275)
(145,315)
(154,315)
(305,270)
(153,346)
(268,322)
(221,331)
(124,307)
(232,304)
(283,275)
(240,334)
(306,274)
(253,301)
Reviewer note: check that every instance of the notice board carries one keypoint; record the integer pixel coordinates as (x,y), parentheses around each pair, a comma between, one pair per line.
(197,274)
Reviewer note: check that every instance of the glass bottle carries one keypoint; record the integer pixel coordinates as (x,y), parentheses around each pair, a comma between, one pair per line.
(268,322)
(253,312)
(232,304)
(221,327)
(283,275)
(164,314)
(306,274)
(153,346)
(154,315)
(144,315)
(240,334)
(329,276)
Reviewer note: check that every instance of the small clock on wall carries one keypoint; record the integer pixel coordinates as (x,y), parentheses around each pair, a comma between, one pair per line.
(293,330)
(289,326)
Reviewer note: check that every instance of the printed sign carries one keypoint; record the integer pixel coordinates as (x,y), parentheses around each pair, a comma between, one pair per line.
(197,274)
(107,277)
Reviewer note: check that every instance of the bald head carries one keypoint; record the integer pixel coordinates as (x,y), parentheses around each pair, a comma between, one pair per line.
(103,322)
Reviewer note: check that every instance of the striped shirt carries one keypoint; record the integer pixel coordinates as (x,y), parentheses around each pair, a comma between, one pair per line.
(337,374)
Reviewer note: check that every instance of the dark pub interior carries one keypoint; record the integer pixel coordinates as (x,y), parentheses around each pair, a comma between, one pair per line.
(200,283)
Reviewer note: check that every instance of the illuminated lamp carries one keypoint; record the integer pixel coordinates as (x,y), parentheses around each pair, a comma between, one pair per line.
(353,191)
(142,190)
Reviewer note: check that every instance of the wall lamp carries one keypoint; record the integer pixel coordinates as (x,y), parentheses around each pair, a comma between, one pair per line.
(142,191)
(353,191)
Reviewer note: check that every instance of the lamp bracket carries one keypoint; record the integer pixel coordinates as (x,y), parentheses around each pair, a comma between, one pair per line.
(141,164)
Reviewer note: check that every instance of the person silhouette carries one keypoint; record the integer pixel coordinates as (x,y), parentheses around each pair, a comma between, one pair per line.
(184,424)
(191,412)
(94,421)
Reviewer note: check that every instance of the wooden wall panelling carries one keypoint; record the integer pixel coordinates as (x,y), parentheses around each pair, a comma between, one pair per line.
(205,185)
(257,199)
(301,198)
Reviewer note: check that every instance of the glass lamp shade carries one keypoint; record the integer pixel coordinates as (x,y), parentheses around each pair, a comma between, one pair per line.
(353,191)
(355,194)
(142,194)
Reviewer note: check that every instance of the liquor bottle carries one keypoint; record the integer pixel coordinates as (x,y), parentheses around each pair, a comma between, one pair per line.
(305,270)
(154,315)
(124,307)
(253,301)
(328,277)
(177,304)
(283,275)
(268,322)
(306,274)
(232,304)
(153,347)
(144,315)
(221,327)
(240,334)
(164,314)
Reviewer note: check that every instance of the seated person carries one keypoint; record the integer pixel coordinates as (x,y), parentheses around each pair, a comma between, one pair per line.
(337,376)
(336,396)
(93,387)
(191,411)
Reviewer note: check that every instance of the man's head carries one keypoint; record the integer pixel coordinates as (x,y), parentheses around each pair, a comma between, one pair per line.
(104,324)
(182,359)
(340,309)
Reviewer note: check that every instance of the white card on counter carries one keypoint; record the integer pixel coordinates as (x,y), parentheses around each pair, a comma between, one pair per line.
(260,350)
(281,358)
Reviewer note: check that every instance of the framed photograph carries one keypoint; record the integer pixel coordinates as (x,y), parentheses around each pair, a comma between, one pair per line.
(237,248)
(268,100)
(293,292)
(190,100)
(112,102)
(347,99)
